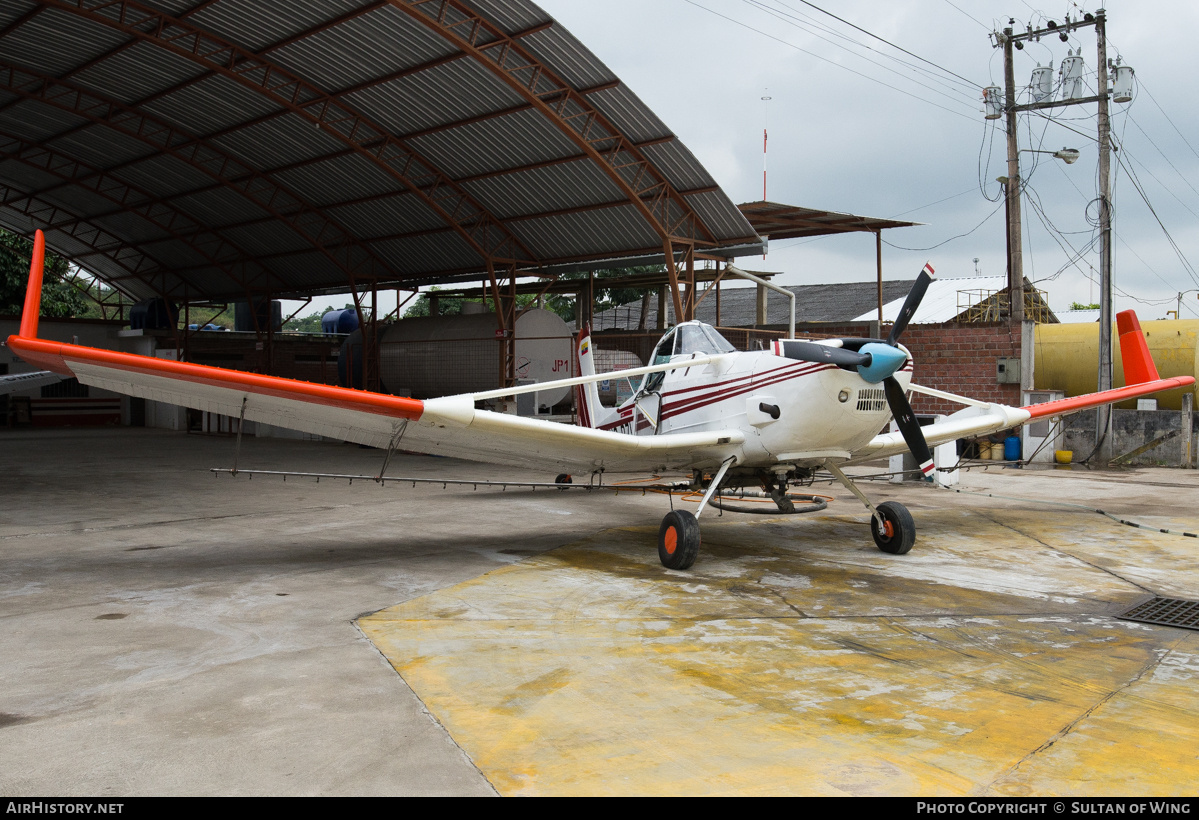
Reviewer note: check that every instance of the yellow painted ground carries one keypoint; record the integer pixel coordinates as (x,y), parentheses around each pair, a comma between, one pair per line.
(797,659)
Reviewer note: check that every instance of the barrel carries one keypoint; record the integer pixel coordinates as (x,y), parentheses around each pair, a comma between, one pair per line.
(1011,448)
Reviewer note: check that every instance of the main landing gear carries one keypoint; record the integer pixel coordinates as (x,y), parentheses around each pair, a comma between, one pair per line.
(891,524)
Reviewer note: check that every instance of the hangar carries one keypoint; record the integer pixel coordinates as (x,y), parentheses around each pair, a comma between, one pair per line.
(156,646)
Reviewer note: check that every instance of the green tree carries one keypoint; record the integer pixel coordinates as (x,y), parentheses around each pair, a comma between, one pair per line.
(59,299)
(1081,306)
(312,322)
(605,297)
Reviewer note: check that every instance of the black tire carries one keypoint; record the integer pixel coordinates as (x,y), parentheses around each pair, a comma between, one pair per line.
(678,540)
(564,478)
(903,528)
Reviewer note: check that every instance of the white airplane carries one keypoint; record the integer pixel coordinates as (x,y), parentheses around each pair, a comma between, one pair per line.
(730,418)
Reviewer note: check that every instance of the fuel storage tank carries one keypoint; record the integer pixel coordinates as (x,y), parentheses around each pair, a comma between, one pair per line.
(1067,357)
(445,355)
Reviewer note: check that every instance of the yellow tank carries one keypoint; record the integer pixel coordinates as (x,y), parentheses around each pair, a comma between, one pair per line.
(1067,357)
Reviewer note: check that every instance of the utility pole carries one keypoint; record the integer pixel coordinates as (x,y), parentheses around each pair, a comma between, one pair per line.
(1007,40)
(1015,272)
(1103,422)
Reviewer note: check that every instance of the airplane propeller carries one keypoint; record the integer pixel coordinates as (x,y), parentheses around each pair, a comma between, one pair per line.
(877,361)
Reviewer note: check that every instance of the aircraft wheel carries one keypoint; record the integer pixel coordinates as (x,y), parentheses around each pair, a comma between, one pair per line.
(678,540)
(900,531)
(564,478)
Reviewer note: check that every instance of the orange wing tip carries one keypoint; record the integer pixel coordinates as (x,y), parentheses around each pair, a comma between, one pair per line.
(1134,350)
(33,292)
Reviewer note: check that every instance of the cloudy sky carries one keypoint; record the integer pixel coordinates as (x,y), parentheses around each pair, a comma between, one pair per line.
(858,126)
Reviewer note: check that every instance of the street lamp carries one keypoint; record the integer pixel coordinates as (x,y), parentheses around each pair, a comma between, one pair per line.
(1066,155)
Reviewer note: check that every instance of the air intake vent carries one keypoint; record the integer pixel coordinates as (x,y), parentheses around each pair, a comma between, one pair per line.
(1164,612)
(872,400)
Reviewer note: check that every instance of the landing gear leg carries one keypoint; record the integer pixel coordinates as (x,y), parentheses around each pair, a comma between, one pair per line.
(891,524)
(678,537)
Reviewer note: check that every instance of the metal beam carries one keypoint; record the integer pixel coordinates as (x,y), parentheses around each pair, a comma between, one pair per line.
(178,225)
(660,205)
(479,228)
(322,232)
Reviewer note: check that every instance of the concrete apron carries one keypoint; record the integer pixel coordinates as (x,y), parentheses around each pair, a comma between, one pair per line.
(797,659)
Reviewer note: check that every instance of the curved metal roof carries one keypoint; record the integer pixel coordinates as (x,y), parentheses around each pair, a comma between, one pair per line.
(223,148)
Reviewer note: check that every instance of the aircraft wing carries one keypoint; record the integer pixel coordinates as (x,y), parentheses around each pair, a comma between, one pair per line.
(982,419)
(13,382)
(449,426)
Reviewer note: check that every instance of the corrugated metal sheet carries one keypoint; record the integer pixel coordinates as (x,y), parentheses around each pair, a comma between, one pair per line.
(373,46)
(628,114)
(340,179)
(509,16)
(333,47)
(571,61)
(164,175)
(426,254)
(447,93)
(54,42)
(33,121)
(214,103)
(134,73)
(569,185)
(514,140)
(254,25)
(277,142)
(14,9)
(711,209)
(387,216)
(25,177)
(678,165)
(597,233)
(100,147)
(941,300)
(217,206)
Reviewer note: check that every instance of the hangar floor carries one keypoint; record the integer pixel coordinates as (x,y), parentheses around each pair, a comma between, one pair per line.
(167,632)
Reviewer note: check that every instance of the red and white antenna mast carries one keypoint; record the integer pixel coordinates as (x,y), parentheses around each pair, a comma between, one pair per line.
(765,125)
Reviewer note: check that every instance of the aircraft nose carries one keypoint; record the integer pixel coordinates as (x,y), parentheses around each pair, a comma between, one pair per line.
(884,361)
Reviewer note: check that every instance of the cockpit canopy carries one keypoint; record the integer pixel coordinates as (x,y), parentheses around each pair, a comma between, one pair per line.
(690,338)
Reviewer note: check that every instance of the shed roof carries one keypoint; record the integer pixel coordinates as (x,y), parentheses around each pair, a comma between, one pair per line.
(778,221)
(839,302)
(223,148)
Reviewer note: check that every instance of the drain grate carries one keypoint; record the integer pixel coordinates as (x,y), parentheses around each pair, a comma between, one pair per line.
(1164,612)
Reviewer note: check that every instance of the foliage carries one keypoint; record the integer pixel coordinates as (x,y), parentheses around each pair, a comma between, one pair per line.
(312,322)
(1081,306)
(605,297)
(59,299)
(561,303)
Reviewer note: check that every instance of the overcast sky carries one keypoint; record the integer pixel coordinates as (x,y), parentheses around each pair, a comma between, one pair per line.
(889,141)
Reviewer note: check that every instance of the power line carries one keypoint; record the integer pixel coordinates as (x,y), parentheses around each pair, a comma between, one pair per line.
(803,20)
(968,14)
(888,42)
(791,20)
(826,60)
(950,239)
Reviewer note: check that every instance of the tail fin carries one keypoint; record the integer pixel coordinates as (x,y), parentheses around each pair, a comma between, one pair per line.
(1134,350)
(591,412)
(33,292)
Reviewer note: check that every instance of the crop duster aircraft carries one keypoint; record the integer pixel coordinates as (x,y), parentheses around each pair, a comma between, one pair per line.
(766,417)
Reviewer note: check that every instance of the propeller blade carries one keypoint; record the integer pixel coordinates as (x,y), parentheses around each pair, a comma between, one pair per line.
(908,425)
(915,295)
(812,352)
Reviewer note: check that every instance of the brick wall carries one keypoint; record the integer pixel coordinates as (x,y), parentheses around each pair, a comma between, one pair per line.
(961,359)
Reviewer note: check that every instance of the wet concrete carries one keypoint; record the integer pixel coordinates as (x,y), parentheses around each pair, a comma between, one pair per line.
(166,632)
